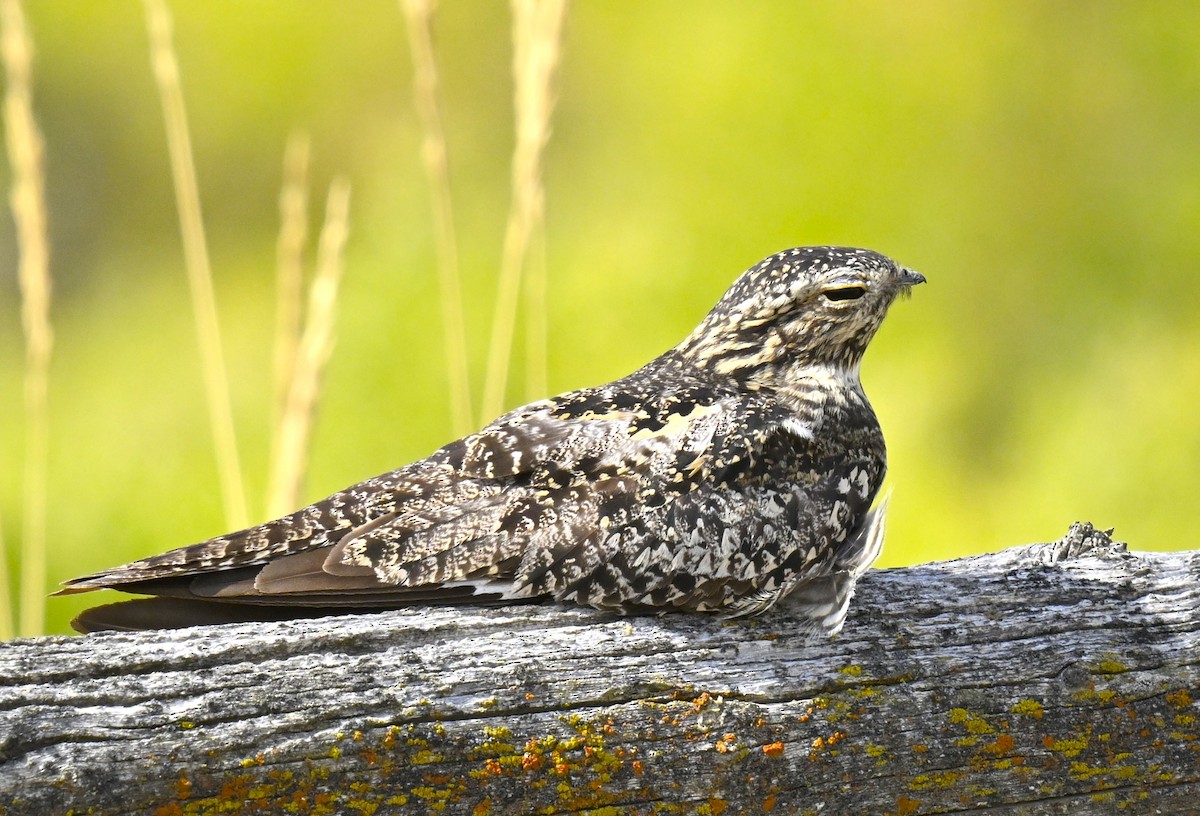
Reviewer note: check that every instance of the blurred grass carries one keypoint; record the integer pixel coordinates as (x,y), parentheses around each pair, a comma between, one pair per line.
(314,346)
(1035,160)
(199,270)
(537,27)
(418,15)
(28,199)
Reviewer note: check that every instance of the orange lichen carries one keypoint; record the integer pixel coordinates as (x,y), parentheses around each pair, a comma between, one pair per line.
(774,750)
(1003,744)
(183,787)
(1180,698)
(236,787)
(389,739)
(532,759)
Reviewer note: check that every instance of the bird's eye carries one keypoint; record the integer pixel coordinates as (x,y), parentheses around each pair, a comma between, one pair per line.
(845,293)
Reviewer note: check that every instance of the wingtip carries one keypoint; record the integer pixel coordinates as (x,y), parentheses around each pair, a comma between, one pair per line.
(69,589)
(87,583)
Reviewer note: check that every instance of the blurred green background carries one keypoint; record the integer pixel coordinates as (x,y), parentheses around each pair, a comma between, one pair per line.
(1038,161)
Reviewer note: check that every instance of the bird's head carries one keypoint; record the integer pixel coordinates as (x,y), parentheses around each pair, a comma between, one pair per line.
(800,308)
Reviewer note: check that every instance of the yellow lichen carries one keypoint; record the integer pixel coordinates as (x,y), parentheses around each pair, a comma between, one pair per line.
(362,806)
(1083,772)
(974,723)
(937,779)
(1069,747)
(1029,708)
(424,756)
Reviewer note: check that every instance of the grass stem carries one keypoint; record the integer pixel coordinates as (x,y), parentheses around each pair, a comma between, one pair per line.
(316,344)
(25,150)
(289,270)
(191,223)
(537,31)
(536,329)
(418,14)
(7,630)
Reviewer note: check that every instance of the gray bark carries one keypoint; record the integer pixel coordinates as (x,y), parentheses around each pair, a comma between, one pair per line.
(1058,678)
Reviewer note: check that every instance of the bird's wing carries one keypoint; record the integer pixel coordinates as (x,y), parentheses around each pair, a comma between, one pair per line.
(460,480)
(611,454)
(465,515)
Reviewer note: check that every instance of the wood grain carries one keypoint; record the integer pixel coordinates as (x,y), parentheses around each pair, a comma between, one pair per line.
(1055,678)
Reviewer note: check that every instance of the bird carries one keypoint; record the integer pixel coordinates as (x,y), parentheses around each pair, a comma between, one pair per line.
(734,472)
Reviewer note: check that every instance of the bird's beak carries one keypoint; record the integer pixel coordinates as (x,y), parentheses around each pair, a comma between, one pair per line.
(909,277)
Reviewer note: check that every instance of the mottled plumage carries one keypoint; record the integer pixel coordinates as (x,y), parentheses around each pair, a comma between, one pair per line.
(734,470)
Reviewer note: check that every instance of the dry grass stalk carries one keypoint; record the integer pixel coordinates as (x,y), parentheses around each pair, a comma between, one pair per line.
(316,344)
(537,378)
(183,170)
(7,630)
(418,15)
(537,30)
(25,153)
(289,277)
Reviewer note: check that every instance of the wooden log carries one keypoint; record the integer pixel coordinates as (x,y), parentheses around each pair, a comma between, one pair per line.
(1054,678)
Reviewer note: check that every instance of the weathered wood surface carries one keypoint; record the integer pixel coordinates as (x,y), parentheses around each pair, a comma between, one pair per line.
(1046,679)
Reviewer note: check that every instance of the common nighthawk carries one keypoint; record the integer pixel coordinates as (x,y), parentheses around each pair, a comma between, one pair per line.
(735,470)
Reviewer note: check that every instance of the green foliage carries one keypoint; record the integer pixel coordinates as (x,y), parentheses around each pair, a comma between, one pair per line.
(1036,160)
